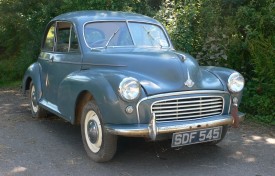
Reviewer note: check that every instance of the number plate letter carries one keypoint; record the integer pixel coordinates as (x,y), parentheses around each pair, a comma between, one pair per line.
(202,135)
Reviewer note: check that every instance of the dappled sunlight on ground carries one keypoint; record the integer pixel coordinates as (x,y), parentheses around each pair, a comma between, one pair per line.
(260,139)
(270,141)
(17,170)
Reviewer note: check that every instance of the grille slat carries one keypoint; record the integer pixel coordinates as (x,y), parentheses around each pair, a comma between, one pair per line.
(183,106)
(187,117)
(187,108)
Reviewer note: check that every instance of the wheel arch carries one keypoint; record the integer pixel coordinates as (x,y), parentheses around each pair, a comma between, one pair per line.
(82,99)
(27,84)
(79,87)
(32,74)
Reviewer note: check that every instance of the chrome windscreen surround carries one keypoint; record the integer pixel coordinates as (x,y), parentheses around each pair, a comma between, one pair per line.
(187,108)
(166,96)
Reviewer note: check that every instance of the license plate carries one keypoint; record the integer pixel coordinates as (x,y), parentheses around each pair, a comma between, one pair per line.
(196,136)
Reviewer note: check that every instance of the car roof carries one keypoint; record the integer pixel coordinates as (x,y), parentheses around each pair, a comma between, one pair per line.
(97,15)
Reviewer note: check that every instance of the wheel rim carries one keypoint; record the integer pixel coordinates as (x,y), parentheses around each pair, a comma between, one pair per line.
(34,105)
(93,131)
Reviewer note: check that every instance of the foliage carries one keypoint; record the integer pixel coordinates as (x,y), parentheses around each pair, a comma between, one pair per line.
(234,33)
(22,25)
(195,27)
(259,101)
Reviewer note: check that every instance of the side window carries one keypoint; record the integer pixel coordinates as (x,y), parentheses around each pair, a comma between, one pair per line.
(49,40)
(66,38)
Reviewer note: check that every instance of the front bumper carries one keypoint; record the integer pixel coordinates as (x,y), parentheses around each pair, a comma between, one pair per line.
(154,128)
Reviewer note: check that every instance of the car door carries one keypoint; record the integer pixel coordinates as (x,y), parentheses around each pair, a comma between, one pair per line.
(59,57)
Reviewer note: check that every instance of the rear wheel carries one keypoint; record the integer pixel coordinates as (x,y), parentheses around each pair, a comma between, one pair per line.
(99,144)
(37,111)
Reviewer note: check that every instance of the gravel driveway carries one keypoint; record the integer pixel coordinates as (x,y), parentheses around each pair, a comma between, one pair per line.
(52,146)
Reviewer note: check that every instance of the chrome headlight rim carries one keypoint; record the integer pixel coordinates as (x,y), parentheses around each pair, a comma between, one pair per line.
(235,82)
(126,82)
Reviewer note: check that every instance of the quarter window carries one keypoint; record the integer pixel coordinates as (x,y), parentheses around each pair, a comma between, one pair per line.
(49,40)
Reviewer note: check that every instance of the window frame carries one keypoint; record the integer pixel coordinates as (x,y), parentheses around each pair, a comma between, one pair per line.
(170,46)
(55,23)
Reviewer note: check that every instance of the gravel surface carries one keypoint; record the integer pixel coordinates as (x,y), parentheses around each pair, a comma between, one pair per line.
(52,146)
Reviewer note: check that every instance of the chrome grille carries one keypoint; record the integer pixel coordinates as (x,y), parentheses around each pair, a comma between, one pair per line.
(187,108)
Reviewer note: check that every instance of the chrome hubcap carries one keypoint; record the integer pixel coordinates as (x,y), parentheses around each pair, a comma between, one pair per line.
(92,131)
(34,105)
(34,98)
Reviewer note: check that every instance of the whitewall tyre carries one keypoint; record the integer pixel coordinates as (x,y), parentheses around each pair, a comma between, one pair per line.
(37,111)
(98,143)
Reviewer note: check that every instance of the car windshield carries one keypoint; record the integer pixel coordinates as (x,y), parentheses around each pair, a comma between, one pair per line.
(113,34)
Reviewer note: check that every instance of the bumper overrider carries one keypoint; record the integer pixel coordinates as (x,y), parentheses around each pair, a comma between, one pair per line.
(155,128)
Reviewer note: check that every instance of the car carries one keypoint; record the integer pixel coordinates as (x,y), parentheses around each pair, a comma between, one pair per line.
(118,74)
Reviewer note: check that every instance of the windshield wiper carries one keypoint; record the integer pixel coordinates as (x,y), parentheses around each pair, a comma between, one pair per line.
(111,38)
(150,35)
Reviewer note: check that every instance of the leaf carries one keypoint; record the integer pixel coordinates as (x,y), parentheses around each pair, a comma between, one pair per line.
(224,56)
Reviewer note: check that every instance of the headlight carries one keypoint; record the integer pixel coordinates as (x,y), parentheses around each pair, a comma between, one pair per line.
(129,88)
(235,82)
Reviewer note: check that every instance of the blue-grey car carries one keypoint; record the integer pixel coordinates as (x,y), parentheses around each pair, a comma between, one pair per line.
(117,74)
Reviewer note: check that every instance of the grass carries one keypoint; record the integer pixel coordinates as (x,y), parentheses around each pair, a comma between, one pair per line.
(11,84)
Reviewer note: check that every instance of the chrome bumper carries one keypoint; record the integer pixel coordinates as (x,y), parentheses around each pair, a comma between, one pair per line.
(154,128)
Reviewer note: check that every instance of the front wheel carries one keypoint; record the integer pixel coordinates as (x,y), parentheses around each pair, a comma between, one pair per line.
(99,144)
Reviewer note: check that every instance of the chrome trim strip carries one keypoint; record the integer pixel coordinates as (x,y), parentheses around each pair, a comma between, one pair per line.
(83,63)
(141,100)
(196,101)
(187,92)
(110,65)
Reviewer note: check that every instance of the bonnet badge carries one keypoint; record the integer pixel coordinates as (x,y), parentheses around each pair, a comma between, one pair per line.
(189,83)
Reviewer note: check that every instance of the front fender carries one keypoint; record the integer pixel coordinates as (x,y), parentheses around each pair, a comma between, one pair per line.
(103,87)
(223,74)
(32,74)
